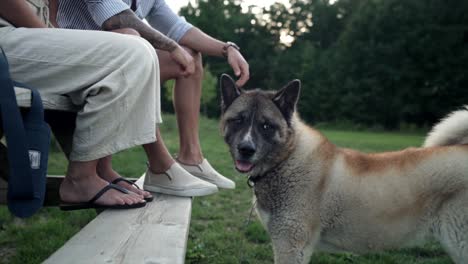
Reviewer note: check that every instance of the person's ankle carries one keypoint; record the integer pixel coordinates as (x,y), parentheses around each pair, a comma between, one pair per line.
(192,159)
(107,174)
(76,185)
(79,176)
(159,166)
(191,155)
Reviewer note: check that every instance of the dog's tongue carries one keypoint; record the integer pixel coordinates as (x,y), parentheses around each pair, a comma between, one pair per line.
(243,166)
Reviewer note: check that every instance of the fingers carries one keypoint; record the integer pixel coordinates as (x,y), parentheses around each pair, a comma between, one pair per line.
(245,74)
(190,68)
(236,68)
(186,71)
(239,66)
(185,61)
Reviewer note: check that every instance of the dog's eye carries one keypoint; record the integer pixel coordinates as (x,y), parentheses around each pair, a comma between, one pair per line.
(236,121)
(266,126)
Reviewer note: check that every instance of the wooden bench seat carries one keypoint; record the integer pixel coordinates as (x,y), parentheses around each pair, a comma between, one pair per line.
(156,233)
(52,102)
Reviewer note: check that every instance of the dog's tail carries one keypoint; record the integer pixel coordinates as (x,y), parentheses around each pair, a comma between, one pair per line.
(452,130)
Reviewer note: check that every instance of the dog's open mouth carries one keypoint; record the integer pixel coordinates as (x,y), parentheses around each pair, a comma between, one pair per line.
(243,166)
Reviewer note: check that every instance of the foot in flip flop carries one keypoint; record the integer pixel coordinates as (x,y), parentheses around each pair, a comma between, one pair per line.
(93,192)
(113,177)
(131,185)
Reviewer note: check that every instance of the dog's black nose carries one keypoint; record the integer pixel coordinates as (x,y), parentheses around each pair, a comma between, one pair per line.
(246,149)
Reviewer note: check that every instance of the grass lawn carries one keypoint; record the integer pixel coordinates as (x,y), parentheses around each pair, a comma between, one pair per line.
(219,232)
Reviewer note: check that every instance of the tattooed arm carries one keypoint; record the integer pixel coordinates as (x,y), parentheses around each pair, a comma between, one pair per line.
(128,19)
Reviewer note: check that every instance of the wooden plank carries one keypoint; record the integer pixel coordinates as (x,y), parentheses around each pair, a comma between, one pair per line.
(53,102)
(52,197)
(156,233)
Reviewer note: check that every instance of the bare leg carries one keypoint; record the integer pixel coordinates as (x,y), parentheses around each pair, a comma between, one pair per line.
(158,156)
(82,183)
(187,95)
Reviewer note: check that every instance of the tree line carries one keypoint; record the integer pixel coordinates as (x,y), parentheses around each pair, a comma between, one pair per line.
(371,62)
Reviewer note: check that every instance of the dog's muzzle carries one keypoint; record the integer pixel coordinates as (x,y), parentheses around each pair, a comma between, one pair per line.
(246,150)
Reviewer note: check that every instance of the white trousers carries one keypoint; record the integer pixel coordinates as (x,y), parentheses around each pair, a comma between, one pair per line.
(114,78)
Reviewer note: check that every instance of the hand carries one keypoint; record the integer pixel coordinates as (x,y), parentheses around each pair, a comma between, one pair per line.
(239,65)
(184,59)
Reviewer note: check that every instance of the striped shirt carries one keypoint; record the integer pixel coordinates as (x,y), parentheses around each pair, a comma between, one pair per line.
(91,14)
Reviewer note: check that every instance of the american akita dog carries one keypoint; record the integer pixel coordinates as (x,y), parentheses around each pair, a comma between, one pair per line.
(311,194)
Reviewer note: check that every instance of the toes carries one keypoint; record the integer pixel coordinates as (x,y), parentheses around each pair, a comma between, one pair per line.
(129,200)
(135,191)
(138,196)
(145,194)
(119,200)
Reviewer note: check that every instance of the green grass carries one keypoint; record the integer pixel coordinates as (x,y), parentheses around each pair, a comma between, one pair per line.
(220,231)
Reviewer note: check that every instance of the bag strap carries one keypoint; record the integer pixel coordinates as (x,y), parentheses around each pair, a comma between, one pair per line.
(36,110)
(16,138)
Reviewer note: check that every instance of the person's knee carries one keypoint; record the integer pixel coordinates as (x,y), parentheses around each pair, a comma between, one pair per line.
(197,59)
(138,62)
(141,52)
(127,31)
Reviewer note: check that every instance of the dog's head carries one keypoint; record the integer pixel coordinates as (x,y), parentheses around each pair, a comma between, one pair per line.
(257,125)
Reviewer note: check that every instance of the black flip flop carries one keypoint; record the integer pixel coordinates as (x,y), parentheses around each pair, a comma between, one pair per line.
(148,199)
(92,205)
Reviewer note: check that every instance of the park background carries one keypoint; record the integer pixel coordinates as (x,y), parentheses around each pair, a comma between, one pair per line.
(376,75)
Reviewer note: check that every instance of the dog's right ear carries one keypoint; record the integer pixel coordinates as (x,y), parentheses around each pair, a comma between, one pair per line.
(229,91)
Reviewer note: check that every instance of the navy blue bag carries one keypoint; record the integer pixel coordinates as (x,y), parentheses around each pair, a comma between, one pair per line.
(28,141)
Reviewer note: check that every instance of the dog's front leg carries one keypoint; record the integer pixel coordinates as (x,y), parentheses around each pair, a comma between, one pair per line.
(293,242)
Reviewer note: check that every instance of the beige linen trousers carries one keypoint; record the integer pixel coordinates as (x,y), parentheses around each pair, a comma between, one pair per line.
(114,79)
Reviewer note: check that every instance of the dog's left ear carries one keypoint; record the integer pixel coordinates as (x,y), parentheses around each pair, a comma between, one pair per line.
(286,99)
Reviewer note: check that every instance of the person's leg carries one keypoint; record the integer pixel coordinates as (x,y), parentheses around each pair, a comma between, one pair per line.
(187,96)
(164,175)
(115,78)
(159,158)
(186,100)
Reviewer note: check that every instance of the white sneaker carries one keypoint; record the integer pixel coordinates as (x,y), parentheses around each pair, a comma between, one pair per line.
(207,173)
(177,181)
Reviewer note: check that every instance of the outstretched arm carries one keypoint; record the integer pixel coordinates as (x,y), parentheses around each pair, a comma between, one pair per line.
(128,19)
(163,18)
(198,40)
(18,13)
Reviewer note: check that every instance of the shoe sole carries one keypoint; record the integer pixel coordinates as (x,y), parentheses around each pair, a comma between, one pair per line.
(184,193)
(214,182)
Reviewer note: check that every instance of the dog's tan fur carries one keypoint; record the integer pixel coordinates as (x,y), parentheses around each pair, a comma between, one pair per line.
(351,201)
(328,198)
